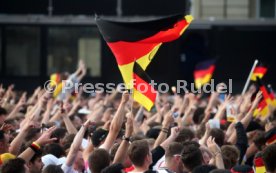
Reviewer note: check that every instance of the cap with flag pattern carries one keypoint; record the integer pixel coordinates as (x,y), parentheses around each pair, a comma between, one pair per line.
(139,41)
(204,72)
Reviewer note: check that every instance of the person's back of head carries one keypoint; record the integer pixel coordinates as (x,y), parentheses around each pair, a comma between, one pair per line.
(231,155)
(269,158)
(14,166)
(185,135)
(52,169)
(242,169)
(191,156)
(98,160)
(54,149)
(219,136)
(138,151)
(59,133)
(204,169)
(114,168)
(220,171)
(174,148)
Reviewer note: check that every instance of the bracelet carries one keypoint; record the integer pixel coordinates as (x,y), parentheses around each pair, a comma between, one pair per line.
(128,139)
(165,130)
(35,144)
(218,152)
(35,147)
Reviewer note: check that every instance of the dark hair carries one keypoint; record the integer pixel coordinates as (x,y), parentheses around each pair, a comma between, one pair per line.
(54,149)
(220,171)
(218,135)
(98,160)
(137,152)
(230,154)
(2,135)
(185,135)
(37,155)
(191,156)
(259,140)
(14,166)
(114,168)
(204,169)
(59,133)
(174,148)
(32,133)
(53,169)
(3,111)
(269,157)
(67,141)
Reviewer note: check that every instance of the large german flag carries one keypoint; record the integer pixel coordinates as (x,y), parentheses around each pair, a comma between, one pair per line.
(143,92)
(204,72)
(139,41)
(259,72)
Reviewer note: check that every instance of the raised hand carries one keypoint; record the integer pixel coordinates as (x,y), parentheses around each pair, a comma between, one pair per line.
(45,138)
(125,97)
(213,147)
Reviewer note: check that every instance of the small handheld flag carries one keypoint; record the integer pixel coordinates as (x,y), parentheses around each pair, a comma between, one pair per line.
(203,72)
(259,71)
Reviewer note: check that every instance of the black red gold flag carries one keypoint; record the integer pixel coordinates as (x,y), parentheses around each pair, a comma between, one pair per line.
(203,72)
(139,41)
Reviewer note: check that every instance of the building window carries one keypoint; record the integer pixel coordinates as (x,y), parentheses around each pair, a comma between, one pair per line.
(67,45)
(23,51)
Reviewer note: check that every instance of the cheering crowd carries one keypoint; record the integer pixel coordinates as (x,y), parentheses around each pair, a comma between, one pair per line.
(111,133)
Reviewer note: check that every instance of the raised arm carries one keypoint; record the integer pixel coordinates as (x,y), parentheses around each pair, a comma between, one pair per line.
(216,152)
(121,153)
(165,129)
(76,145)
(18,106)
(116,123)
(42,140)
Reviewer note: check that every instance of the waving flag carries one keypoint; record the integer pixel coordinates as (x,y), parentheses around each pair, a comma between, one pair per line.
(203,72)
(262,108)
(259,72)
(138,42)
(143,92)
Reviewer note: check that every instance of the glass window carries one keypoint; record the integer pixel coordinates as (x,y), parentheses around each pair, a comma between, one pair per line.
(66,45)
(23,51)
(267,8)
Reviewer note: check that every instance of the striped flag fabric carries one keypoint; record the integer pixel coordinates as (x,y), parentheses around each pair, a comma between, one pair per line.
(136,43)
(143,92)
(139,41)
(258,72)
(203,72)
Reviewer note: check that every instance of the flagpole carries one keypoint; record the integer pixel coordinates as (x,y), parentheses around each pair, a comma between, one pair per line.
(249,76)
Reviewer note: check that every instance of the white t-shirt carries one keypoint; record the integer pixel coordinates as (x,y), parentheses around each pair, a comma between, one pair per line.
(67,169)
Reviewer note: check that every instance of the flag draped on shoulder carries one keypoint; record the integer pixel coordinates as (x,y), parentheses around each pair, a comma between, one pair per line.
(203,72)
(259,72)
(136,43)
